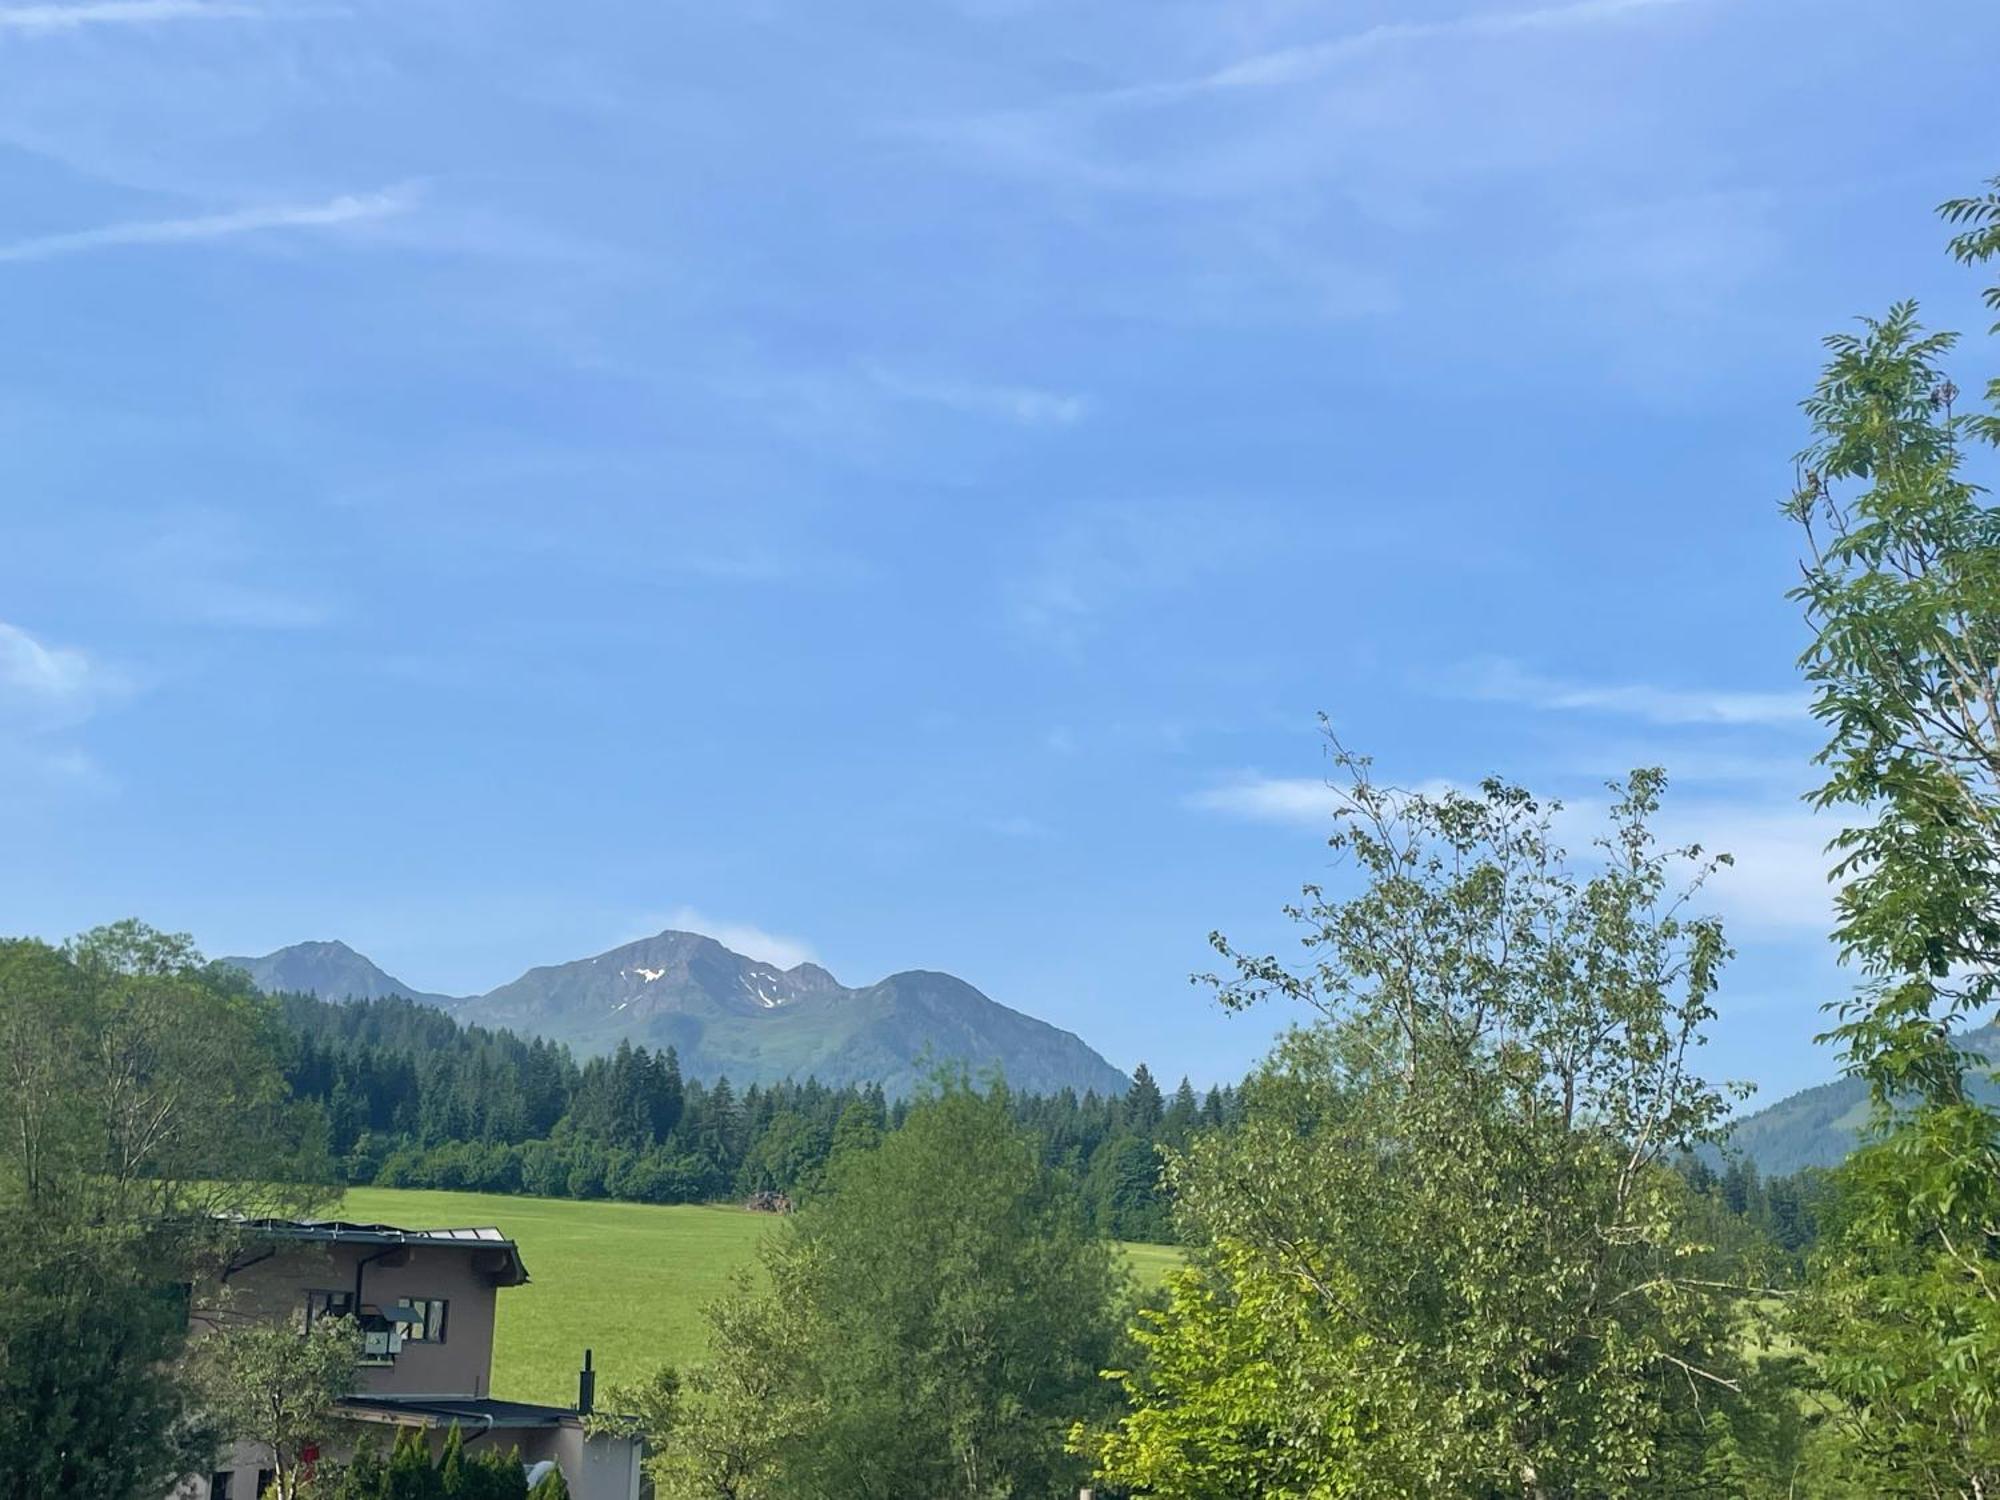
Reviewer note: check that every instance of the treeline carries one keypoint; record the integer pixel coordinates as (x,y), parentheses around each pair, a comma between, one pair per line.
(411,1098)
(143,1120)
(1784,1211)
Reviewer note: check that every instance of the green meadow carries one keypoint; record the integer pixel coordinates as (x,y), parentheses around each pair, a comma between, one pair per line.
(628,1280)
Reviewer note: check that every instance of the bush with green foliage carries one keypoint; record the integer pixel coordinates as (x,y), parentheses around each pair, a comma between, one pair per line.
(931,1325)
(410,1473)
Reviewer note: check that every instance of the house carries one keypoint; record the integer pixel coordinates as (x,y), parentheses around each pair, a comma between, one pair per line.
(426,1300)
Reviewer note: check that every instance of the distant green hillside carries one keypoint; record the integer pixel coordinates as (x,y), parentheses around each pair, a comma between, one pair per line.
(1819,1126)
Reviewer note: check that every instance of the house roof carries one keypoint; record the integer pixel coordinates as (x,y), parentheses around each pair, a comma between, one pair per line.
(466,1411)
(513,1271)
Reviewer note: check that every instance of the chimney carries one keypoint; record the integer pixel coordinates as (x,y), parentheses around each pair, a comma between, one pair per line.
(586,1388)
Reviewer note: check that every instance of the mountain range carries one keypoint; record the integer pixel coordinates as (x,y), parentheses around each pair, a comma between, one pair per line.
(726,1014)
(333,971)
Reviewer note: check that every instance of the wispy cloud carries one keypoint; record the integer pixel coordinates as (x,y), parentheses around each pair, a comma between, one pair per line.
(1389,116)
(1270,799)
(1298,800)
(751,941)
(43,686)
(46,18)
(39,672)
(350,208)
(1028,406)
(1778,880)
(1293,64)
(1776,884)
(46,689)
(1502,681)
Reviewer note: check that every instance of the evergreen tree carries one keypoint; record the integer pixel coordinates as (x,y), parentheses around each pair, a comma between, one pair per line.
(665,1095)
(1143,1106)
(859,1129)
(1125,1193)
(410,1475)
(451,1465)
(1182,1116)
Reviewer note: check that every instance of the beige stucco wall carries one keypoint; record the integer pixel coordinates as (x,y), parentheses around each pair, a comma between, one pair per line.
(462,1365)
(597,1468)
(242,1461)
(600,1468)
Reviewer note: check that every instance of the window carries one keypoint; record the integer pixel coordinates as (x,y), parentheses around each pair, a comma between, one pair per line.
(219,1485)
(328,1305)
(267,1481)
(429,1327)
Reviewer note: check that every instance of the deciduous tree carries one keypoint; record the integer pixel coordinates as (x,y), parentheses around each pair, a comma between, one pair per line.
(141,1104)
(276,1385)
(1445,1252)
(933,1323)
(1901,585)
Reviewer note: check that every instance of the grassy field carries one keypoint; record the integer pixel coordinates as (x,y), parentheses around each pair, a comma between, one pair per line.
(628,1279)
(1150,1263)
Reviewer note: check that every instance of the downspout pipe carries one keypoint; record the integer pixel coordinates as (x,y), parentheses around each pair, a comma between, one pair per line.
(362,1265)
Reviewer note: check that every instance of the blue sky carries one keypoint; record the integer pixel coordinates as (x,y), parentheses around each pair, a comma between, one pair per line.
(896,482)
